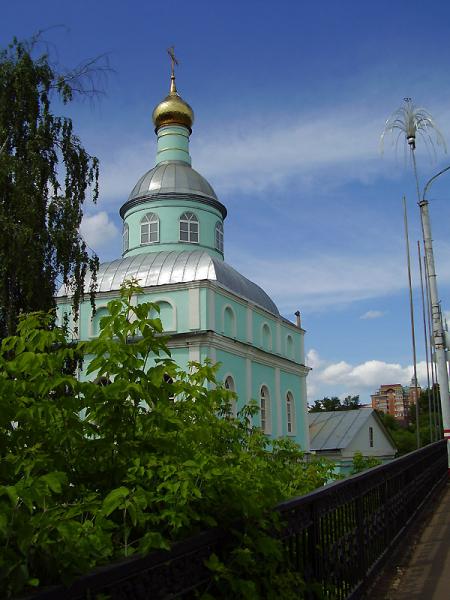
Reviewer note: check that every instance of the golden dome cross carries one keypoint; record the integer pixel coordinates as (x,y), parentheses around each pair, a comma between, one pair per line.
(173,59)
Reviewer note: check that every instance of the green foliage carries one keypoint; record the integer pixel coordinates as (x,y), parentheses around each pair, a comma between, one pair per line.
(91,473)
(430,420)
(361,463)
(334,403)
(430,424)
(45,175)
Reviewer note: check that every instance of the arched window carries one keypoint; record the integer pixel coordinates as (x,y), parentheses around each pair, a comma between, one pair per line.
(189,228)
(125,237)
(219,236)
(264,405)
(290,413)
(101,312)
(150,229)
(266,337)
(166,314)
(229,322)
(229,385)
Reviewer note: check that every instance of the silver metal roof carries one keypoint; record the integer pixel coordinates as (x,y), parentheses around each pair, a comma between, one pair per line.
(335,430)
(173,176)
(160,268)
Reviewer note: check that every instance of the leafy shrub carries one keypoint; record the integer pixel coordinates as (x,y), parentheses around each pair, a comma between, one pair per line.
(90,473)
(361,463)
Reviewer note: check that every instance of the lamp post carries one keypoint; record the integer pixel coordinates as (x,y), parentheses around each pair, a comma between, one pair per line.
(411,121)
(437,321)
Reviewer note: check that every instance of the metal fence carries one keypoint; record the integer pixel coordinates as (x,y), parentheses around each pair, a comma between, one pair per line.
(336,538)
(340,535)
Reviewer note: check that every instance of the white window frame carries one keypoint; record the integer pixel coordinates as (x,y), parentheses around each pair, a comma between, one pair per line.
(146,228)
(125,238)
(265,409)
(190,220)
(290,413)
(219,236)
(230,385)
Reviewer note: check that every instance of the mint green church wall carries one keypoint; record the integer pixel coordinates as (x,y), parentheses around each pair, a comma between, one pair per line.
(230,317)
(293,384)
(231,364)
(172,304)
(264,332)
(169,229)
(173,144)
(265,375)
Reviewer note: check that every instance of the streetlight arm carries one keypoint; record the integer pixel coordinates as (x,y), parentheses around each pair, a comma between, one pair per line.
(430,181)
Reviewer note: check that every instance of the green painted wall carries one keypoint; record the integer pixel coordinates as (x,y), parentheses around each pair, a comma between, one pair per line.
(230,317)
(235,366)
(173,144)
(291,383)
(264,375)
(169,212)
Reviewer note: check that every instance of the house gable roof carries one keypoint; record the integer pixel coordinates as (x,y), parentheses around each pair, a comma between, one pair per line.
(335,430)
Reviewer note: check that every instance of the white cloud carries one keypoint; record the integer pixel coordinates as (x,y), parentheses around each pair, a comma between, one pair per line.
(336,372)
(372,314)
(254,155)
(363,379)
(267,152)
(313,359)
(98,230)
(321,281)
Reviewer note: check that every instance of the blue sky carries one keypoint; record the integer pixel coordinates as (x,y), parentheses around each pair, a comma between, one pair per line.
(290,99)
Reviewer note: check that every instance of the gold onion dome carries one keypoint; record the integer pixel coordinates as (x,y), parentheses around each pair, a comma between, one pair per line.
(173,110)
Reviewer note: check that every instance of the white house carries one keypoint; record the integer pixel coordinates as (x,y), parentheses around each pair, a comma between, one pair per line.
(339,435)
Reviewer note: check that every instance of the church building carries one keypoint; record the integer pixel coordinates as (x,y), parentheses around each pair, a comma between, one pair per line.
(173,244)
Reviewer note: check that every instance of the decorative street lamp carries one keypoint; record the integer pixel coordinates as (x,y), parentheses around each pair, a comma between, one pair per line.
(410,121)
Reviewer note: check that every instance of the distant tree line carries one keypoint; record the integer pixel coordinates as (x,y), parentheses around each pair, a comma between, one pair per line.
(334,404)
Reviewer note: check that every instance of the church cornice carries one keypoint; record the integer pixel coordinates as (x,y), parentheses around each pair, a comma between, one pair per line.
(173,196)
(238,347)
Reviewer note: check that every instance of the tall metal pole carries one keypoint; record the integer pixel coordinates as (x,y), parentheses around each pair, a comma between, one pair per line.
(425,338)
(411,315)
(436,401)
(437,323)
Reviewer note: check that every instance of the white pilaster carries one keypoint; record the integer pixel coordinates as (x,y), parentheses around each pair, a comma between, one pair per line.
(279,427)
(248,379)
(249,325)
(212,310)
(194,353)
(302,415)
(194,308)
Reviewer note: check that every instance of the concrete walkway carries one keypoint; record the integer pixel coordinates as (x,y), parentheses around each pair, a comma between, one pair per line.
(424,574)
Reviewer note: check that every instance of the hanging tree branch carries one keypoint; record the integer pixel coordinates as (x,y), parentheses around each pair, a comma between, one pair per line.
(45,177)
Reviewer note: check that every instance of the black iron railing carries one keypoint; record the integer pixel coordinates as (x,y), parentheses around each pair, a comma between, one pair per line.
(339,535)
(336,538)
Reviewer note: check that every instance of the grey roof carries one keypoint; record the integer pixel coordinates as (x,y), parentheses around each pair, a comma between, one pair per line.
(335,430)
(160,268)
(169,177)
